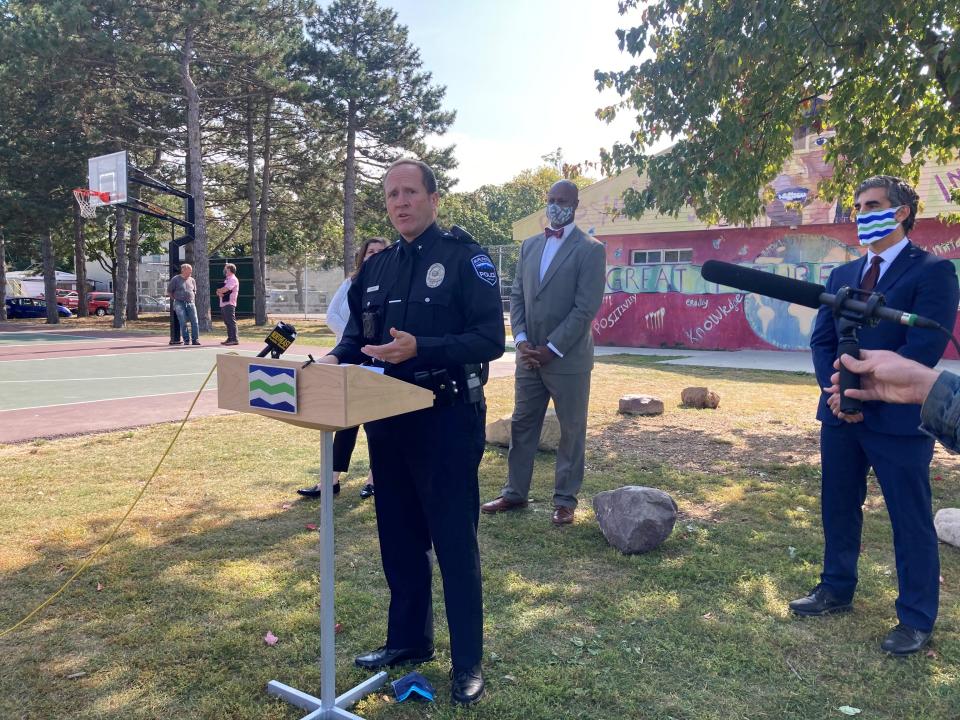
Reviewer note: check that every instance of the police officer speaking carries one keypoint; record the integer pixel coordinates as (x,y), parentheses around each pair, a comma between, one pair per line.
(428,311)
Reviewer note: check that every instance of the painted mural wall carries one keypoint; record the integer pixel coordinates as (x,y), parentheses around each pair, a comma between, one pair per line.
(656,297)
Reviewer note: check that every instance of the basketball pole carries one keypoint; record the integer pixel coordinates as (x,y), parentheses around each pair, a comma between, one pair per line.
(138,176)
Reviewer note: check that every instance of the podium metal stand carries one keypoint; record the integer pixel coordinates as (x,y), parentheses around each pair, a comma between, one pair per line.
(326,398)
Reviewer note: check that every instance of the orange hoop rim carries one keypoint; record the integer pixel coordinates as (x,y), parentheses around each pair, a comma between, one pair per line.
(83,195)
(88,193)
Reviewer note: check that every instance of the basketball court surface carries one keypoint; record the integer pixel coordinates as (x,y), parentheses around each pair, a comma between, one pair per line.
(56,381)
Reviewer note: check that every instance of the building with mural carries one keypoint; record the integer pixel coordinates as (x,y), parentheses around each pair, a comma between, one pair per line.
(656,297)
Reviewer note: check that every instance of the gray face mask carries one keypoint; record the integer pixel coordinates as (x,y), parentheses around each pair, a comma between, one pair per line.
(559,215)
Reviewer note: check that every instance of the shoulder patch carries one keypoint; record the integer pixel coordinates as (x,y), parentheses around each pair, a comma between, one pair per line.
(485,269)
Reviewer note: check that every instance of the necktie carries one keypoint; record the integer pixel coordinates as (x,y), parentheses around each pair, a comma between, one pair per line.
(553,232)
(869,281)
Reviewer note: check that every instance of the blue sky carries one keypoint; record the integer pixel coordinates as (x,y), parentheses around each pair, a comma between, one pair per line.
(520,76)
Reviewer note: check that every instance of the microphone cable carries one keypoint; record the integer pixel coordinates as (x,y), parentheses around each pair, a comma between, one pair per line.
(90,558)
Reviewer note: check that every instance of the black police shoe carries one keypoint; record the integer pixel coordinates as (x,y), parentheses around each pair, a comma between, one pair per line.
(820,601)
(467,686)
(367,491)
(389,657)
(315,492)
(904,640)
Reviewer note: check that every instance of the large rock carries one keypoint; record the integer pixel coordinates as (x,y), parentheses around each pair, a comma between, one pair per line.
(635,519)
(641,405)
(947,523)
(498,432)
(699,397)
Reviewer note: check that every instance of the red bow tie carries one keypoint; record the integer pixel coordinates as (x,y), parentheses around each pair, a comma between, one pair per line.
(552,232)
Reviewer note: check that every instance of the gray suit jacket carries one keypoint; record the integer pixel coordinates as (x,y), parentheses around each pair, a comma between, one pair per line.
(560,308)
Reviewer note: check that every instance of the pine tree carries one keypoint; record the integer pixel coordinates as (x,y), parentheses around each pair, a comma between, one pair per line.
(366,77)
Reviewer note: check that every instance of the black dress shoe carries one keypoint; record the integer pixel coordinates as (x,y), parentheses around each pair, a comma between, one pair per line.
(389,657)
(315,492)
(467,686)
(366,491)
(820,601)
(904,640)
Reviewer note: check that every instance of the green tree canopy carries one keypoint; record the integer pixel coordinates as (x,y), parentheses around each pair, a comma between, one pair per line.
(732,82)
(366,77)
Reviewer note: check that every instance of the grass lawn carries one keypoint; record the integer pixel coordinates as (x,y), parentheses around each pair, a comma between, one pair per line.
(169,621)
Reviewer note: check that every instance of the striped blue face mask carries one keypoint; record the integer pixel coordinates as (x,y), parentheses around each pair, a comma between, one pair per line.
(876,225)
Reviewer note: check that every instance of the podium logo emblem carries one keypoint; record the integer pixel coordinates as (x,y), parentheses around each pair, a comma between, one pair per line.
(273,388)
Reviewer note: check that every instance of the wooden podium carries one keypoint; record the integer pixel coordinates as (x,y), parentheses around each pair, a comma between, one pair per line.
(327,398)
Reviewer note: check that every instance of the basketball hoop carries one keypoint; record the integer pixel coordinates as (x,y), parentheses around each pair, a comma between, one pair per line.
(83,196)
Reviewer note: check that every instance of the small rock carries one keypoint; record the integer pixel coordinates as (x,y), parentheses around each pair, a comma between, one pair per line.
(947,523)
(498,432)
(635,519)
(641,405)
(700,397)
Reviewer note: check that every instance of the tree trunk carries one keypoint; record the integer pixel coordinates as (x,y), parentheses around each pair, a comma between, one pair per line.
(201,264)
(80,262)
(298,281)
(265,195)
(3,277)
(108,261)
(350,190)
(49,278)
(120,263)
(133,268)
(259,281)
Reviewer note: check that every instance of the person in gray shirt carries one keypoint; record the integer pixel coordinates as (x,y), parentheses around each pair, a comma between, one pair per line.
(182,290)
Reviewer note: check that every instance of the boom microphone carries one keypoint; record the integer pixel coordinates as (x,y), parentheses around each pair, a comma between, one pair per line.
(807,294)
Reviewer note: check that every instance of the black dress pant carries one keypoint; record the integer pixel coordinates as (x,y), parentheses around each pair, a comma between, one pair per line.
(427,496)
(344,441)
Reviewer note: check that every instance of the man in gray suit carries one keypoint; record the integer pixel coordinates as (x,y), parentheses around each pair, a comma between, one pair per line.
(557,291)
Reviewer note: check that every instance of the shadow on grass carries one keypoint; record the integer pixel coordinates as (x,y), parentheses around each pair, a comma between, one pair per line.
(655,362)
(627,439)
(574,629)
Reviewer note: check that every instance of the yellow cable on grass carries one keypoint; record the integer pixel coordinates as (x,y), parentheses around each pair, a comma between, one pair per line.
(113,532)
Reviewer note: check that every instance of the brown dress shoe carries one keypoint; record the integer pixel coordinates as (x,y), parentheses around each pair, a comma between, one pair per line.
(501,504)
(562,515)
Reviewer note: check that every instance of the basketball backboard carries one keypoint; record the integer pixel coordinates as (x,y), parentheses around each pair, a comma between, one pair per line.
(108,173)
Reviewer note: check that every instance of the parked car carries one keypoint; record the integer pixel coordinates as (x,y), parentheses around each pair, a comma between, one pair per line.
(25,307)
(99,303)
(150,303)
(67,298)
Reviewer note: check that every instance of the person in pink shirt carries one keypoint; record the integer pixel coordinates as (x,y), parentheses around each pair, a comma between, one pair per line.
(228,302)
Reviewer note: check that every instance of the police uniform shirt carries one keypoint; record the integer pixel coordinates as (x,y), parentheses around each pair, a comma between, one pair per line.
(441,289)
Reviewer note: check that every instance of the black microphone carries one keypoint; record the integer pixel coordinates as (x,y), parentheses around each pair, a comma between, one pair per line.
(807,294)
(279,339)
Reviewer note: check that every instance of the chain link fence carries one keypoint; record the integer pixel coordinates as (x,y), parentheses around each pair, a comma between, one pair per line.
(300,287)
(505,259)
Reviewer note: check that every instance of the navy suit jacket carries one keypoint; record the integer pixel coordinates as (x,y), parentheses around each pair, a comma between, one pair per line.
(916,282)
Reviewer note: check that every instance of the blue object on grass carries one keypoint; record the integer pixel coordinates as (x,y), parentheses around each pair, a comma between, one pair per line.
(413,684)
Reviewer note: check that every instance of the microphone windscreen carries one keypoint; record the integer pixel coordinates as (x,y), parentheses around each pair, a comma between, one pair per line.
(763,283)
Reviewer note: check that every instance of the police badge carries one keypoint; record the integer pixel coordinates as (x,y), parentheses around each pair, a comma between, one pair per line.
(435,275)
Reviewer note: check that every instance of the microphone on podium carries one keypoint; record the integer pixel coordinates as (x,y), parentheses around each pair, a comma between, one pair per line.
(279,339)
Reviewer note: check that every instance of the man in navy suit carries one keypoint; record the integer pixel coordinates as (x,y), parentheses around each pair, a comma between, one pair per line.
(883,436)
